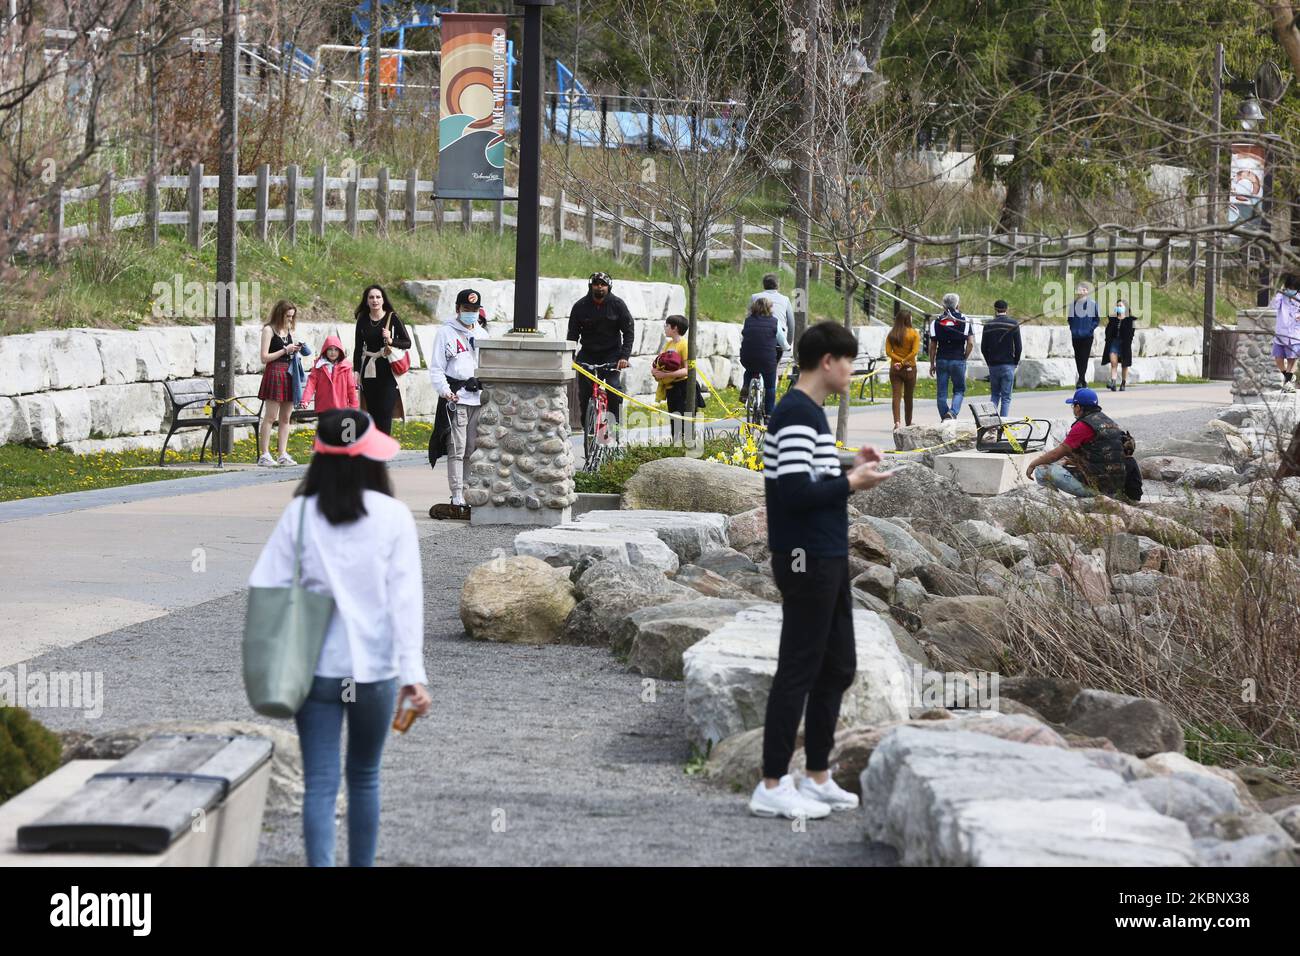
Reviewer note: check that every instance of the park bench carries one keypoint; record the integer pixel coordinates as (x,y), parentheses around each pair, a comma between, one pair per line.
(864,367)
(190,395)
(197,394)
(188,799)
(994,435)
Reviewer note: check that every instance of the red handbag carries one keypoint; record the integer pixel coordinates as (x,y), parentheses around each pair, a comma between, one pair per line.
(401,366)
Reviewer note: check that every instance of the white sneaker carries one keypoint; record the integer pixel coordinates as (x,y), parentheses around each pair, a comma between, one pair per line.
(830,793)
(266,461)
(286,460)
(784,800)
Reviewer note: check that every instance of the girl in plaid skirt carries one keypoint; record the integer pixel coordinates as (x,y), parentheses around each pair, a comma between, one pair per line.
(276,390)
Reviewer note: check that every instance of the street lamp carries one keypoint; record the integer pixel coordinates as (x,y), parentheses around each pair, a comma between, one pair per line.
(1250,114)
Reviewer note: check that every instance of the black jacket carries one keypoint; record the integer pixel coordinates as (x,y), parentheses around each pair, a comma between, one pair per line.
(1000,344)
(1121,329)
(604,331)
(758,342)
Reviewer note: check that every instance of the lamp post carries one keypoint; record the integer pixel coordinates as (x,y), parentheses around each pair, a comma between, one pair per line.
(1211,217)
(809,103)
(527,265)
(227,236)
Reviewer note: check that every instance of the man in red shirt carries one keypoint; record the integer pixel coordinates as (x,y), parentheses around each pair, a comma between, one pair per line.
(1093,449)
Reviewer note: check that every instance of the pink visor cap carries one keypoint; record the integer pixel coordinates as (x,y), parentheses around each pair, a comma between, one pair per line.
(372,443)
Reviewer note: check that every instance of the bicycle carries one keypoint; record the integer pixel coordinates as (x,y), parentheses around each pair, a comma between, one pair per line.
(597,438)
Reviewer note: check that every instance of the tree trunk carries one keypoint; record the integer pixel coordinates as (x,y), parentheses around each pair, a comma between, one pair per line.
(842,419)
(1015,208)
(1287,35)
(688,428)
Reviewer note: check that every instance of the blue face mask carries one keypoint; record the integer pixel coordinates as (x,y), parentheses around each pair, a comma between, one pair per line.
(468,319)
(1290,293)
(1120,310)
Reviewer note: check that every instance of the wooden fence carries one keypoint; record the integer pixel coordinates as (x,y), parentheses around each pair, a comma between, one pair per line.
(318,201)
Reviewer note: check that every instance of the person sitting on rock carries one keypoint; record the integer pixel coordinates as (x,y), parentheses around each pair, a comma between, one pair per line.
(1094,453)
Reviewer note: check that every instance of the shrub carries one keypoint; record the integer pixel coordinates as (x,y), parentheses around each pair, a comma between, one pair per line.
(28,751)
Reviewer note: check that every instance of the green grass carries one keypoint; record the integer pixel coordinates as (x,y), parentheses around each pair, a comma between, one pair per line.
(27,472)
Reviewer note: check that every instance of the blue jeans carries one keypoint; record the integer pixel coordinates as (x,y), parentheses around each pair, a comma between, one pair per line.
(769,385)
(1057,476)
(320,722)
(1002,378)
(950,370)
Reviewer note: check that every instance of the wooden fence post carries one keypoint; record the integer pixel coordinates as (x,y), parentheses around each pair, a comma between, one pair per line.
(558,219)
(196,205)
(1140,256)
(1012,259)
(151,206)
(589,225)
(956,256)
(381,200)
(1110,255)
(1192,264)
(647,242)
(912,264)
(616,233)
(262,201)
(351,200)
(1090,263)
(291,203)
(988,252)
(1065,260)
(412,197)
(873,298)
(1166,262)
(466,214)
(318,203)
(499,217)
(738,245)
(438,206)
(1038,256)
(106,204)
(778,226)
(56,225)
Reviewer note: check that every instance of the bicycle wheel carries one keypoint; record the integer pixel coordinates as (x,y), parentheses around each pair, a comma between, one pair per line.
(754,404)
(589,445)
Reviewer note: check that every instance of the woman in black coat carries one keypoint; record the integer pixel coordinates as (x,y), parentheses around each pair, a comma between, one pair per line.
(379,331)
(1119,344)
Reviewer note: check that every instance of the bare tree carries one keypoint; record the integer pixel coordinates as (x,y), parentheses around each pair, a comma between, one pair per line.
(700,166)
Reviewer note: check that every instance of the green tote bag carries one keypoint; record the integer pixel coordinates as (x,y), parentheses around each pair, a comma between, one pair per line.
(284,631)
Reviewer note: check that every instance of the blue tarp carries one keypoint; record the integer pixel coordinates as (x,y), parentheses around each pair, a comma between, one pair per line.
(627,128)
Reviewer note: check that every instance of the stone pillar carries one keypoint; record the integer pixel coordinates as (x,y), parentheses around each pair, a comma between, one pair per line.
(1254,376)
(522,468)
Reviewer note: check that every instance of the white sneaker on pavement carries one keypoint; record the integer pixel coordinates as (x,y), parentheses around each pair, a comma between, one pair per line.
(266,461)
(829,793)
(784,800)
(286,460)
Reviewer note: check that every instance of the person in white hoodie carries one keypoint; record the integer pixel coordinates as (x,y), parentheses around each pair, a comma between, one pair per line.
(359,547)
(452,367)
(1286,337)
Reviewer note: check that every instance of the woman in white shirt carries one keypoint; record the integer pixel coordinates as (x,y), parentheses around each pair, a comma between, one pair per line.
(360,547)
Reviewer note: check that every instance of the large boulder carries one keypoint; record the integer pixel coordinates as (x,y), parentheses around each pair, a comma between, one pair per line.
(688,533)
(654,638)
(1135,725)
(729,674)
(987,541)
(1208,444)
(916,491)
(567,545)
(1050,696)
(711,584)
(1192,798)
(519,600)
(967,631)
(937,579)
(609,591)
(906,554)
(747,533)
(942,437)
(692,484)
(866,542)
(969,799)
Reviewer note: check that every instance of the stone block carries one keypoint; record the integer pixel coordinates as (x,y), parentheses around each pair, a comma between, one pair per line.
(981,473)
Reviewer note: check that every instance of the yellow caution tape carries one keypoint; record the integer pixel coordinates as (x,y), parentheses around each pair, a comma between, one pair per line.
(628,398)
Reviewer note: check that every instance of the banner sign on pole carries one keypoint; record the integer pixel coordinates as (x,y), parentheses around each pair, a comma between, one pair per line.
(471,100)
(1247,177)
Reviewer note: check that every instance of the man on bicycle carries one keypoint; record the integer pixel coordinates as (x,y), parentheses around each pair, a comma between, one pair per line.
(602,326)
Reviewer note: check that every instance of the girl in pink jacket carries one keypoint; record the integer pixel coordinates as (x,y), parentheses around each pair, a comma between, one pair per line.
(331,382)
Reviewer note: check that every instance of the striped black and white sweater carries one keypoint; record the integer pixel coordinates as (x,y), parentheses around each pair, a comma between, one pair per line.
(806,490)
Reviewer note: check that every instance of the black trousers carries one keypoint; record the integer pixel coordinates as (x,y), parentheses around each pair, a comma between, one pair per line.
(1082,358)
(816,662)
(676,396)
(381,398)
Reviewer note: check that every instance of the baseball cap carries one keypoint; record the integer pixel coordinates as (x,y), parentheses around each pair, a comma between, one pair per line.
(352,432)
(467,297)
(1083,396)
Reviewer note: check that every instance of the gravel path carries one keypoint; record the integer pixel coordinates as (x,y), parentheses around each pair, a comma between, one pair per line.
(556,741)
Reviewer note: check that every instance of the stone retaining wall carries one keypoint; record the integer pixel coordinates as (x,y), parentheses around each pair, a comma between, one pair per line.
(92,389)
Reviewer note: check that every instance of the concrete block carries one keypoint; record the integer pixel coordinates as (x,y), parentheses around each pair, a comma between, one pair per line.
(981,473)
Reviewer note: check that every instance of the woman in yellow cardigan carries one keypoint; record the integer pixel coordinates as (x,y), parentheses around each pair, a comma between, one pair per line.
(902,345)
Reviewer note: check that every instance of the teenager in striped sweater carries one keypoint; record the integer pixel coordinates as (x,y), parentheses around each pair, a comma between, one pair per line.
(808,533)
